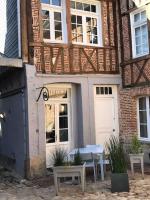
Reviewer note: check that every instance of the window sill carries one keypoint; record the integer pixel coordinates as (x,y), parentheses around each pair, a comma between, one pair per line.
(141,55)
(144,141)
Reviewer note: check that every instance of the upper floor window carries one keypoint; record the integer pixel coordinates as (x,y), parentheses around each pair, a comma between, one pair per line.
(144,118)
(86,22)
(139,29)
(53,18)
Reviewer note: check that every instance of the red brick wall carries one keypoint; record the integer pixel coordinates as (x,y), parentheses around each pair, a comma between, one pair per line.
(42,57)
(128,110)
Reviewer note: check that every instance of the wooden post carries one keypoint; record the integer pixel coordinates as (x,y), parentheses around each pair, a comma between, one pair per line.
(68,20)
(24,38)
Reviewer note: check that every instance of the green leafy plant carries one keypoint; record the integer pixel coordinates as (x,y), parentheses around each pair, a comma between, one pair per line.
(116,155)
(77,158)
(136,145)
(59,156)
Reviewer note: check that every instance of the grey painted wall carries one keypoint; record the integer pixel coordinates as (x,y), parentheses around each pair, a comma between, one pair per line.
(12,103)
(11,38)
(13,141)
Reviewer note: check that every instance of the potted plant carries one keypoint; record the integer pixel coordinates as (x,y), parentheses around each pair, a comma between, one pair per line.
(119,176)
(136,154)
(136,147)
(63,168)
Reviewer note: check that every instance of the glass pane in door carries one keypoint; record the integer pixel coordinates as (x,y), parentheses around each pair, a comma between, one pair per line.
(50,123)
(63,122)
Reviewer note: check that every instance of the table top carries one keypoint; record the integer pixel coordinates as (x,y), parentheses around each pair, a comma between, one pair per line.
(93,149)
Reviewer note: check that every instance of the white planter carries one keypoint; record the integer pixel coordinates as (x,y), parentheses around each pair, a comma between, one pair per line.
(69,171)
(137,158)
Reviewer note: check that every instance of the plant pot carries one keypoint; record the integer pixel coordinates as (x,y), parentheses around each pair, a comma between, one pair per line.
(119,182)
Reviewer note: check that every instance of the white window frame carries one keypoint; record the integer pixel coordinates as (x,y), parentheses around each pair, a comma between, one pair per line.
(85,14)
(53,8)
(133,27)
(148,119)
(141,2)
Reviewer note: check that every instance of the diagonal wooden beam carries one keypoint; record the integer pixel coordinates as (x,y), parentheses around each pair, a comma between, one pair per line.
(91,54)
(141,71)
(89,59)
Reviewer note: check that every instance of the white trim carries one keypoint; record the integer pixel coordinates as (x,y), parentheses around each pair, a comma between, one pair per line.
(148,119)
(19,28)
(51,9)
(85,14)
(133,26)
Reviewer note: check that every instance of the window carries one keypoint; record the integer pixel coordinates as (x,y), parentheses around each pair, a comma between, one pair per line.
(104,90)
(139,29)
(144,117)
(53,20)
(85,22)
(141,2)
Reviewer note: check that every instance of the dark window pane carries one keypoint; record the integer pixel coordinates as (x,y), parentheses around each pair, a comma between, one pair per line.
(143,116)
(58,35)
(143,131)
(95,40)
(45,14)
(56,2)
(63,122)
(73,4)
(45,1)
(73,19)
(106,90)
(86,7)
(102,90)
(94,31)
(63,110)
(79,6)
(46,34)
(142,103)
(110,90)
(63,135)
(74,28)
(79,20)
(50,137)
(93,8)
(88,21)
(46,24)
(58,26)
(97,90)
(57,16)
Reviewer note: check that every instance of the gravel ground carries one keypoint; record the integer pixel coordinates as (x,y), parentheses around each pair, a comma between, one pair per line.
(13,187)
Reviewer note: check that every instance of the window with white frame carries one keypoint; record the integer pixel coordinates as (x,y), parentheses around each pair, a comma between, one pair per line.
(144,117)
(139,29)
(53,17)
(86,22)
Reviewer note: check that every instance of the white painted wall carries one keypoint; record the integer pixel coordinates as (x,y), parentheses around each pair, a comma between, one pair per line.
(86,83)
(3,26)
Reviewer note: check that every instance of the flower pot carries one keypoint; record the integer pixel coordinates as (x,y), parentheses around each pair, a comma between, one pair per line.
(119,182)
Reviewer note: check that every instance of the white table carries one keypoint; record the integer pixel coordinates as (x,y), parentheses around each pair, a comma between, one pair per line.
(98,150)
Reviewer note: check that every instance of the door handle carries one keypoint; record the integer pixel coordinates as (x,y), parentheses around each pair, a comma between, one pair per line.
(113,130)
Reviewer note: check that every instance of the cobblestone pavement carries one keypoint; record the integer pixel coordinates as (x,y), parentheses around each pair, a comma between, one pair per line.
(43,189)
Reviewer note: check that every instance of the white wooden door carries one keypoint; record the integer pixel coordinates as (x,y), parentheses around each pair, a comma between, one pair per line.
(57,128)
(106,113)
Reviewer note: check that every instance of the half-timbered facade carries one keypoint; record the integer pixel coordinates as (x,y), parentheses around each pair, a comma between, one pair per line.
(135,64)
(72,54)
(69,98)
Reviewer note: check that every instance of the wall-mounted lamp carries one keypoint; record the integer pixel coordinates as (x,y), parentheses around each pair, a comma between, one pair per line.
(44,91)
(3,116)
